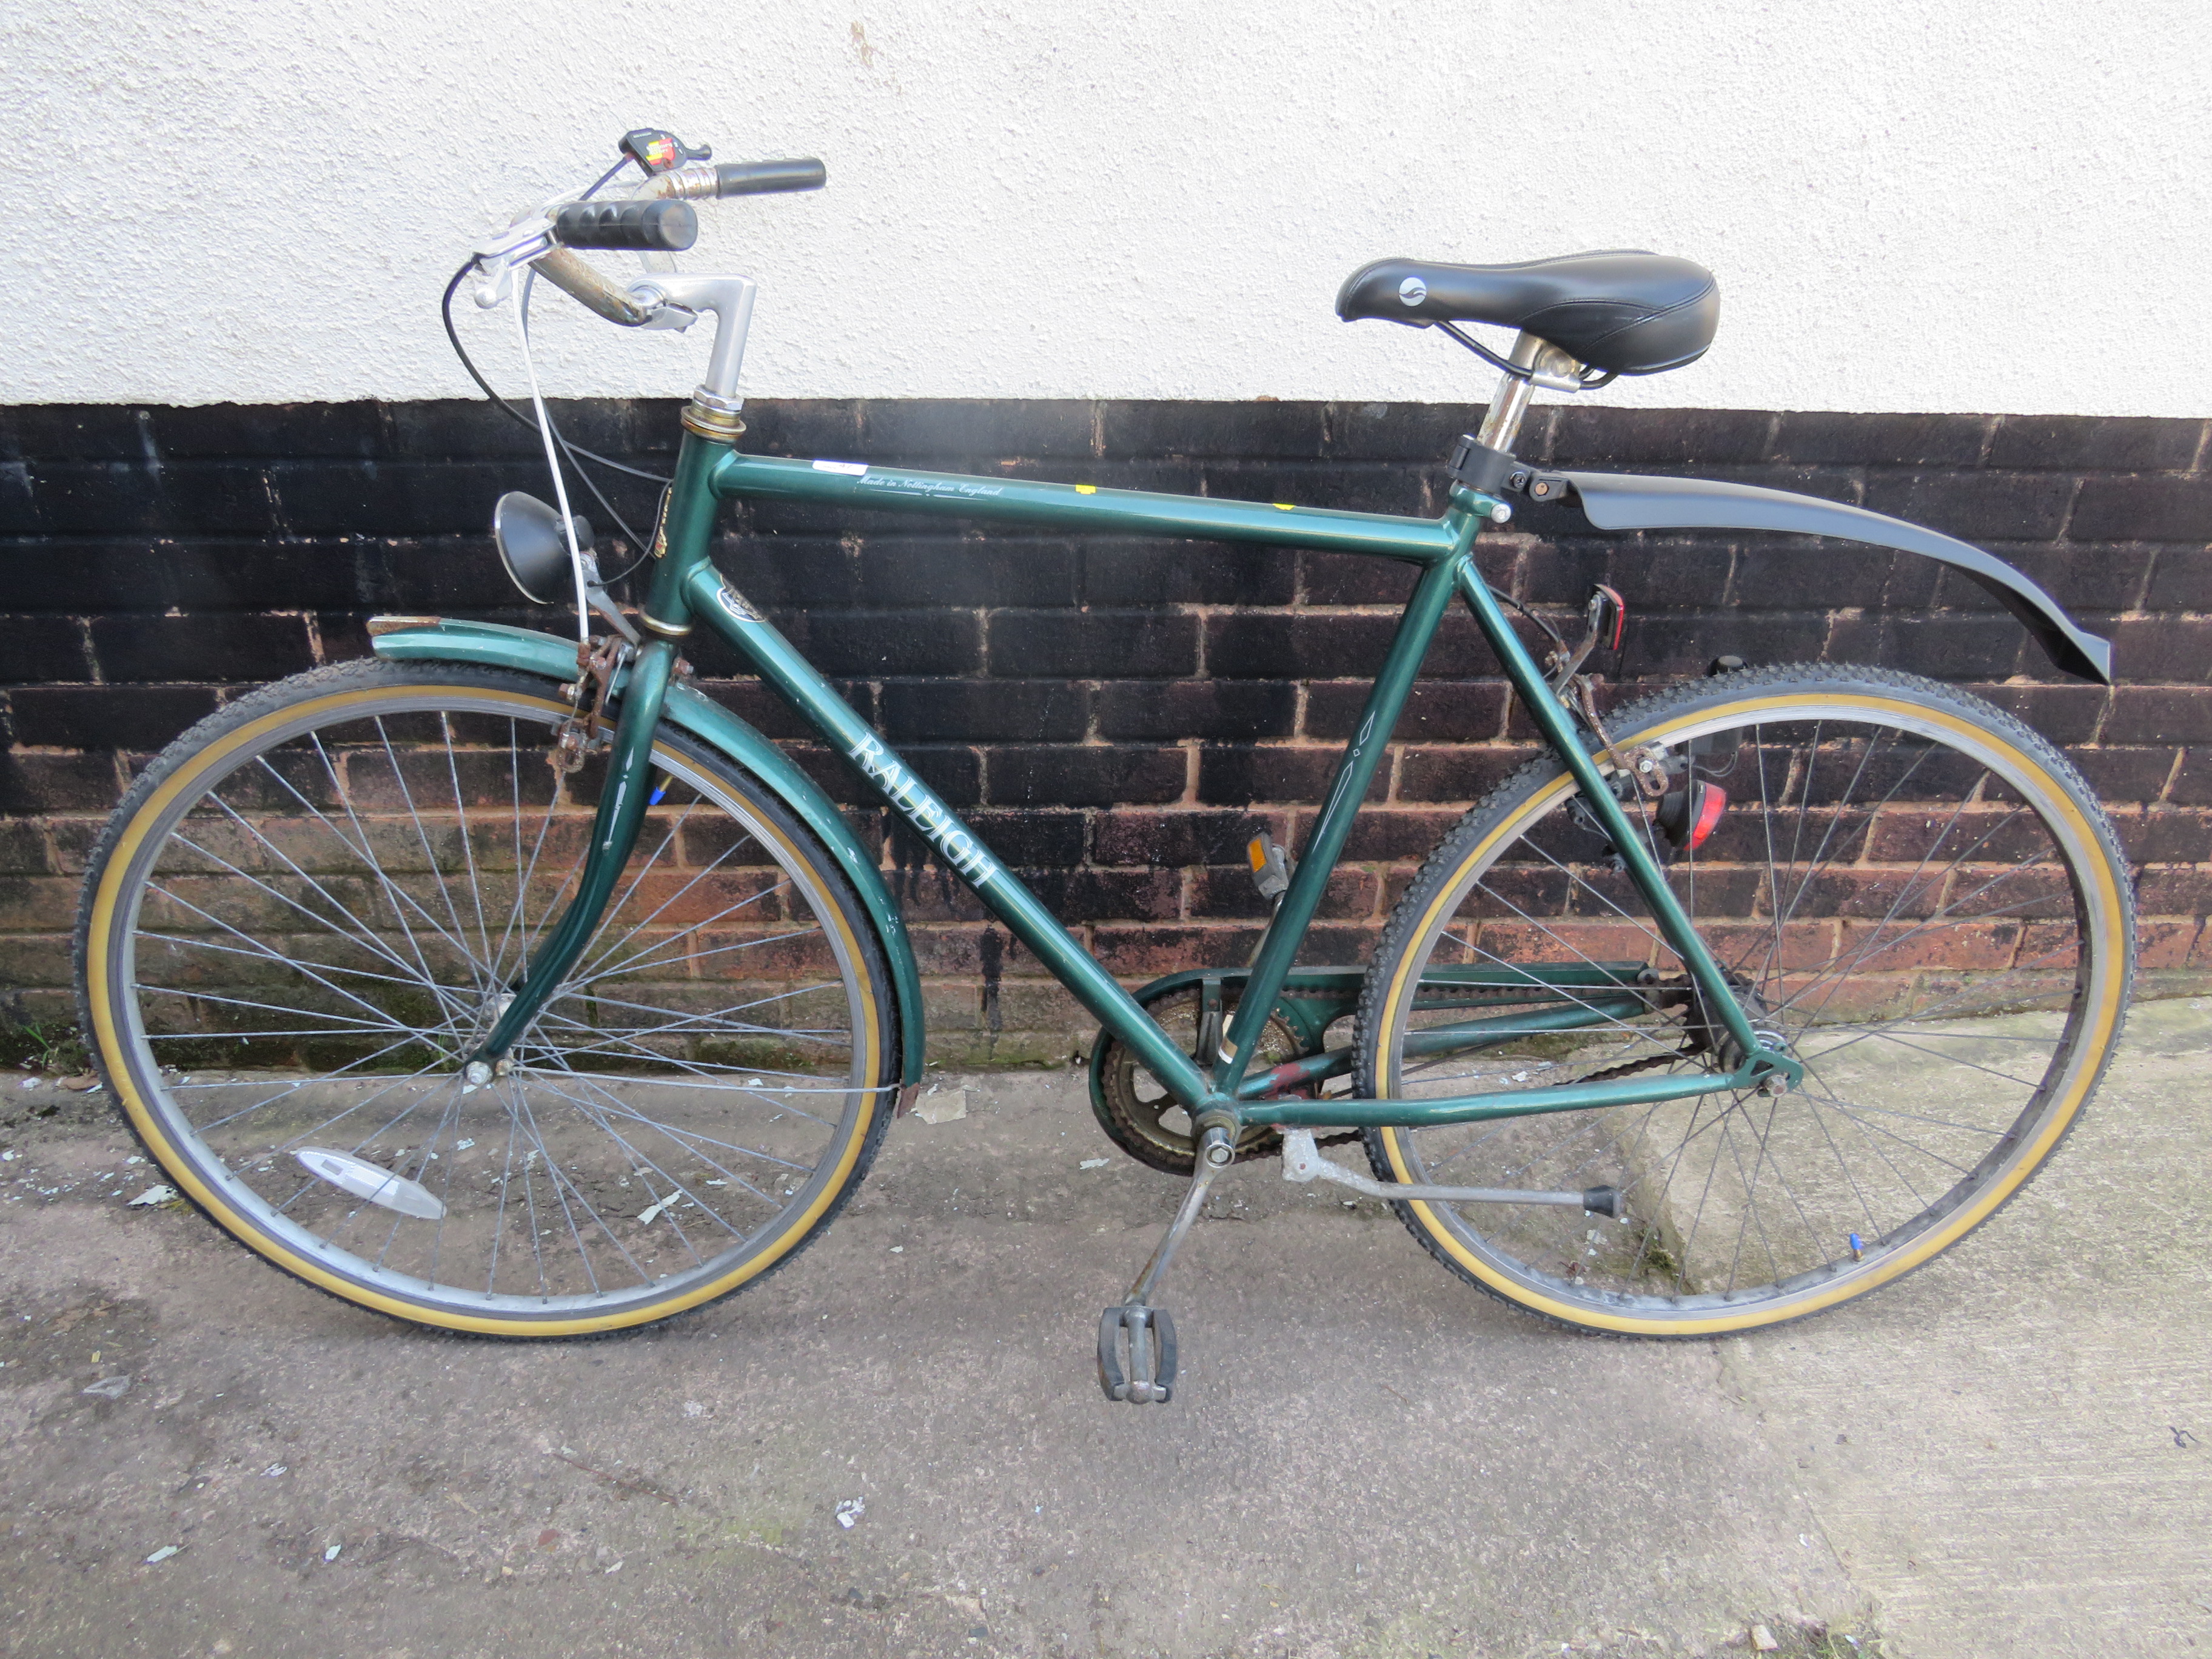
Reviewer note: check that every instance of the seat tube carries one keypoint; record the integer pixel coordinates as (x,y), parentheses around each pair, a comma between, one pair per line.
(1354,772)
(1560,730)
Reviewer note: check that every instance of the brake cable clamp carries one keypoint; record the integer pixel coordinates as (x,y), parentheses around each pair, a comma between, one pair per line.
(661,312)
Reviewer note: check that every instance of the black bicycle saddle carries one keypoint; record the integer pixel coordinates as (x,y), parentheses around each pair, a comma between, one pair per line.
(1631,312)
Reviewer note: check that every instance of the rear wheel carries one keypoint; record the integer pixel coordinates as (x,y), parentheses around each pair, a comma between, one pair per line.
(313,905)
(1916,896)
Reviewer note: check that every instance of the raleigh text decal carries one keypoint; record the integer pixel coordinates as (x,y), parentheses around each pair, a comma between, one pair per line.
(926,812)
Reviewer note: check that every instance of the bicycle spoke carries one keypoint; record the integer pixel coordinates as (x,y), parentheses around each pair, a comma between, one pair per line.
(1899,922)
(430,858)
(344,908)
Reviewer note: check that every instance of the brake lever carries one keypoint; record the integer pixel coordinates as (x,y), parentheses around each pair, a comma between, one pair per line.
(528,238)
(500,255)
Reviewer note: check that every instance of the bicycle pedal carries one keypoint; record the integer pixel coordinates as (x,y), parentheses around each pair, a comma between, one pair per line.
(1271,867)
(1137,1354)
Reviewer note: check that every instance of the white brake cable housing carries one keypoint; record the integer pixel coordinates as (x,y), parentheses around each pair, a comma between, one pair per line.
(559,486)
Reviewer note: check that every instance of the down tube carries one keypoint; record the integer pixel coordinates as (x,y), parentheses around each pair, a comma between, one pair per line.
(961,849)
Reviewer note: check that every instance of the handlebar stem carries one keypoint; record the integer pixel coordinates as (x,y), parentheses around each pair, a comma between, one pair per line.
(651,301)
(731,299)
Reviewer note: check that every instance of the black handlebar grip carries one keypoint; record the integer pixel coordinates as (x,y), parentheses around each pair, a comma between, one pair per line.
(670,227)
(759,178)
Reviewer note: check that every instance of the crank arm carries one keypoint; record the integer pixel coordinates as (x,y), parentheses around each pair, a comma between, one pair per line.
(1217,1149)
(1147,1375)
(1302,1162)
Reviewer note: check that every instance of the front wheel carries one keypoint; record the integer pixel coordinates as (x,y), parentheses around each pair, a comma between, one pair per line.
(314,904)
(1912,894)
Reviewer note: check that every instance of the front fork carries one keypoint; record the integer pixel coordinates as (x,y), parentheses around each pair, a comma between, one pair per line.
(623,798)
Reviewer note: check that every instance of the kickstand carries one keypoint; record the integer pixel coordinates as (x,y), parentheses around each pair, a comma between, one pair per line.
(1137,1340)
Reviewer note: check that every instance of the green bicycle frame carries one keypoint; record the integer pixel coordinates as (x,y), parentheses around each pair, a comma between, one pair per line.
(686,588)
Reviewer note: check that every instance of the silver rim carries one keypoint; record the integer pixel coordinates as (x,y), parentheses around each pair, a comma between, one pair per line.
(313,936)
(1908,910)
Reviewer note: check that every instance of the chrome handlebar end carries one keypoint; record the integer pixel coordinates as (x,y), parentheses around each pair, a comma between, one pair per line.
(693,181)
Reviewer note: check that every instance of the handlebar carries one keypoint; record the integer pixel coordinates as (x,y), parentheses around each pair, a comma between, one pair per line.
(669,227)
(698,180)
(589,289)
(658,219)
(760,178)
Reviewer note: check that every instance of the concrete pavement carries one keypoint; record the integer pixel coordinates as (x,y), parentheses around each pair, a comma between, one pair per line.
(2000,1455)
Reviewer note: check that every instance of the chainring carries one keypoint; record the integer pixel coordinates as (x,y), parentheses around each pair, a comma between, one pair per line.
(1147,1122)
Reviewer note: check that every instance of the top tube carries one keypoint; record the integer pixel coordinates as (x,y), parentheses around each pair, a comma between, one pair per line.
(1127,512)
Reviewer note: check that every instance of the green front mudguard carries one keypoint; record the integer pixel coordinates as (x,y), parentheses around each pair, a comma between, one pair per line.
(527,650)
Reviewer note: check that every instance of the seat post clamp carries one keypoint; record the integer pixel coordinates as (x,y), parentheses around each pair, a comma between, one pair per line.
(1475,466)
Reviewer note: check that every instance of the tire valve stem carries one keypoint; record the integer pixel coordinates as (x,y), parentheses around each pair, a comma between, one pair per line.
(1858,1248)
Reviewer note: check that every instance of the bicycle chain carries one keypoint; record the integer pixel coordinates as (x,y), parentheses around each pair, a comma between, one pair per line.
(1271,1145)
(1631,1067)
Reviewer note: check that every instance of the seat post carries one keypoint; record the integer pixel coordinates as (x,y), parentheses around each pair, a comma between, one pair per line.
(1511,401)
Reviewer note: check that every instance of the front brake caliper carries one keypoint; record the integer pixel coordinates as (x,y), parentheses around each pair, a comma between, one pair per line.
(586,731)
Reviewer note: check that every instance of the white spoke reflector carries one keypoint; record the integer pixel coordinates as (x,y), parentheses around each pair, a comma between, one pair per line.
(369,1180)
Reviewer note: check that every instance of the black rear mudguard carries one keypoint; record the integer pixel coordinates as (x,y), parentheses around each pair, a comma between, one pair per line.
(1616,500)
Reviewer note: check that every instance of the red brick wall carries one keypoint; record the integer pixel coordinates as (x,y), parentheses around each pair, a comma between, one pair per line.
(1118,717)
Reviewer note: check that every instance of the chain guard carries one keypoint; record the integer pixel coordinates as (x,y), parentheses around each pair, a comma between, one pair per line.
(1133,1123)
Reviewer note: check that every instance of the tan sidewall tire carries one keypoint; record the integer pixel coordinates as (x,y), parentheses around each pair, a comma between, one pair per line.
(205,753)
(2011,750)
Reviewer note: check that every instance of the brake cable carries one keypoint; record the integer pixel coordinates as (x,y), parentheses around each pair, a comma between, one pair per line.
(574,454)
(1588,383)
(522,305)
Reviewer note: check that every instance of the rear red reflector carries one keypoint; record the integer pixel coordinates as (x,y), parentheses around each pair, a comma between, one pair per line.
(1712,801)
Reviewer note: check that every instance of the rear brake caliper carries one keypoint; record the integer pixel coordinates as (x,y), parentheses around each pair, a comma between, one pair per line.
(1682,808)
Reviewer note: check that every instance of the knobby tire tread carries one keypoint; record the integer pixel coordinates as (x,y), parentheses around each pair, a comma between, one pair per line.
(1450,853)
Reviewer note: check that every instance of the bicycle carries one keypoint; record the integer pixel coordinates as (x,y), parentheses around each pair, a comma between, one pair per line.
(512,985)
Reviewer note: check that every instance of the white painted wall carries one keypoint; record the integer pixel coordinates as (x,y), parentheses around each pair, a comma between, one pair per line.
(1911,204)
